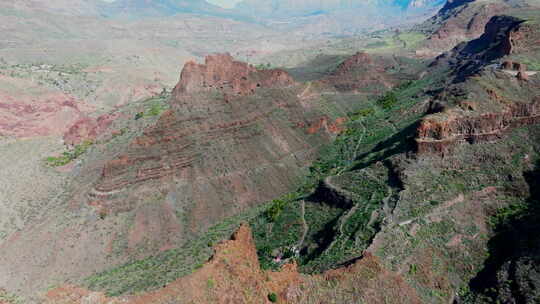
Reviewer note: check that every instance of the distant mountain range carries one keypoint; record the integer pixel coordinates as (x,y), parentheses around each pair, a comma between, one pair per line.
(307,16)
(281,8)
(159,7)
(261,10)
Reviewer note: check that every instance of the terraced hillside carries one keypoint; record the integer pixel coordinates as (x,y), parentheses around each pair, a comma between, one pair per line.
(409,204)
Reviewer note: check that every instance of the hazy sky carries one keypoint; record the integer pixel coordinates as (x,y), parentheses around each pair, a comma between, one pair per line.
(224,3)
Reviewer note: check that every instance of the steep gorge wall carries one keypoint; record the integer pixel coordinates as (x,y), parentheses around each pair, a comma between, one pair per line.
(439,133)
(477,120)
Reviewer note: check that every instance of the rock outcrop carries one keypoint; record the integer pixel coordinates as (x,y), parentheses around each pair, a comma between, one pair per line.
(222,72)
(362,72)
(458,21)
(439,133)
(235,268)
(492,112)
(88,129)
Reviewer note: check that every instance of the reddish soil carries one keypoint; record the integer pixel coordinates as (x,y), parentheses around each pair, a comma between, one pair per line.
(47,113)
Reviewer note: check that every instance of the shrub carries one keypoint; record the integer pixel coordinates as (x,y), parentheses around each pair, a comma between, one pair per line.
(275,209)
(272,297)
(387,101)
(70,155)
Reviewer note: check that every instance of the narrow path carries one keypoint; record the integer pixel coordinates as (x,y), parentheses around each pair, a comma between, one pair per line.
(386,208)
(304,224)
(301,96)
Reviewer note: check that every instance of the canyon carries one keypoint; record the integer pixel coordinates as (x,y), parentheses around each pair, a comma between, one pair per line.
(390,170)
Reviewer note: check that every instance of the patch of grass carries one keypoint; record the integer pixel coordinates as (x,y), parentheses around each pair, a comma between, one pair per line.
(210,283)
(155,106)
(70,155)
(411,39)
(387,101)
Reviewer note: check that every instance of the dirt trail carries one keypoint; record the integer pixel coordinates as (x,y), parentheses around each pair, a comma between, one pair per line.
(304,224)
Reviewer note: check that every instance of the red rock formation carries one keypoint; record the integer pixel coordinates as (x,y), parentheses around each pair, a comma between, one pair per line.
(504,35)
(522,75)
(361,72)
(212,143)
(235,268)
(439,133)
(507,65)
(358,60)
(460,21)
(222,72)
(88,128)
(516,66)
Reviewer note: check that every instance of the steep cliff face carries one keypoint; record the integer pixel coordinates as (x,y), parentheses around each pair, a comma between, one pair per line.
(440,133)
(221,72)
(500,95)
(88,129)
(458,21)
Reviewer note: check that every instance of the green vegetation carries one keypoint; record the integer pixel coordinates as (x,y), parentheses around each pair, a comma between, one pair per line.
(272,297)
(7,298)
(155,106)
(156,271)
(263,66)
(210,283)
(340,231)
(387,101)
(70,155)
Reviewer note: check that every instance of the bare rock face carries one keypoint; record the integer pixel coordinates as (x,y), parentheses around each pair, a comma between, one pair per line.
(492,112)
(439,133)
(224,73)
(87,129)
(458,21)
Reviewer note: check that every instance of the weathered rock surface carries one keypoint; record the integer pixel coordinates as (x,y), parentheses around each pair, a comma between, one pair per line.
(440,132)
(222,72)
(88,128)
(491,112)
(458,21)
(214,129)
(362,72)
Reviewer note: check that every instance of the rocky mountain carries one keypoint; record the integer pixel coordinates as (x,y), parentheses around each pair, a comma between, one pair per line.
(399,169)
(422,193)
(230,137)
(336,16)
